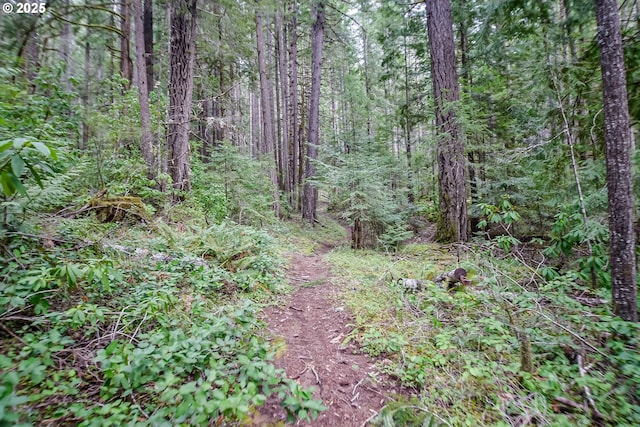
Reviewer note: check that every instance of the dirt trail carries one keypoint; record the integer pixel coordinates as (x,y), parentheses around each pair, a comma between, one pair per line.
(313,323)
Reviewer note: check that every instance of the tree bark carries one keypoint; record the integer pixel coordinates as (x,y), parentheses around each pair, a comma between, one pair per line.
(407,123)
(284,97)
(310,191)
(148,43)
(146,141)
(452,218)
(85,98)
(293,104)
(126,66)
(67,42)
(182,42)
(618,140)
(266,101)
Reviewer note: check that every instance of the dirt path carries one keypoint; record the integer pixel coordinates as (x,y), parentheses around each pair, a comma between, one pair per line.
(313,324)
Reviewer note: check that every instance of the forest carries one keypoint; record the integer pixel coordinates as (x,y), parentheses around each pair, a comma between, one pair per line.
(319,212)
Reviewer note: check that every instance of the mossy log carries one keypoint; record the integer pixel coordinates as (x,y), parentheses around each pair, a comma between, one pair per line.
(113,209)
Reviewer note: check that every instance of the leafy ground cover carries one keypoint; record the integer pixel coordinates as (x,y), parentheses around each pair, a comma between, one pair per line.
(157,324)
(154,324)
(512,349)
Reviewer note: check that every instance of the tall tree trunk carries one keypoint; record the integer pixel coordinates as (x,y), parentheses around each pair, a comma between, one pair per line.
(310,200)
(452,218)
(367,82)
(266,101)
(85,98)
(618,140)
(284,98)
(148,43)
(407,124)
(266,91)
(254,113)
(182,43)
(67,41)
(126,66)
(293,103)
(31,57)
(146,142)
(466,84)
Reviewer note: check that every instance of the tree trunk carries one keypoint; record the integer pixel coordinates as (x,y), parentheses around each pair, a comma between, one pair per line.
(266,91)
(148,43)
(284,97)
(618,140)
(182,15)
(407,124)
(310,191)
(126,66)
(31,57)
(146,141)
(254,113)
(466,85)
(67,41)
(452,218)
(293,104)
(85,98)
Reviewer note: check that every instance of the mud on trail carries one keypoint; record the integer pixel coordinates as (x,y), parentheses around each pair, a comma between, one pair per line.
(312,323)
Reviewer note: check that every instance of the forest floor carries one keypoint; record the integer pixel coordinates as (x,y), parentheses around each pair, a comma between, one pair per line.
(310,327)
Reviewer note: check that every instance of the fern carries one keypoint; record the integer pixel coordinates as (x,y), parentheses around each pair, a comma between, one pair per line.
(56,191)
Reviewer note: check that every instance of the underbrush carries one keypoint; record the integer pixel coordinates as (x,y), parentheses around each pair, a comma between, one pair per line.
(154,324)
(512,349)
(297,235)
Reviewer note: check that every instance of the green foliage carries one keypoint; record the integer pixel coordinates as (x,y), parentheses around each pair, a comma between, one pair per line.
(460,351)
(394,235)
(216,368)
(570,234)
(504,216)
(19,155)
(134,334)
(247,252)
(233,186)
(405,412)
(358,188)
(38,111)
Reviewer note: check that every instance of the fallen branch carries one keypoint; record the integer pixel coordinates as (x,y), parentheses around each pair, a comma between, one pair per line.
(587,392)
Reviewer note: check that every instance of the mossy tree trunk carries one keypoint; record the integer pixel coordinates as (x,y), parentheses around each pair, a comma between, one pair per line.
(452,223)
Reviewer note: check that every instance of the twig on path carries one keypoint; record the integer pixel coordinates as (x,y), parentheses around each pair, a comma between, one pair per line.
(316,374)
(347,402)
(354,398)
(295,308)
(356,386)
(306,368)
(375,414)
